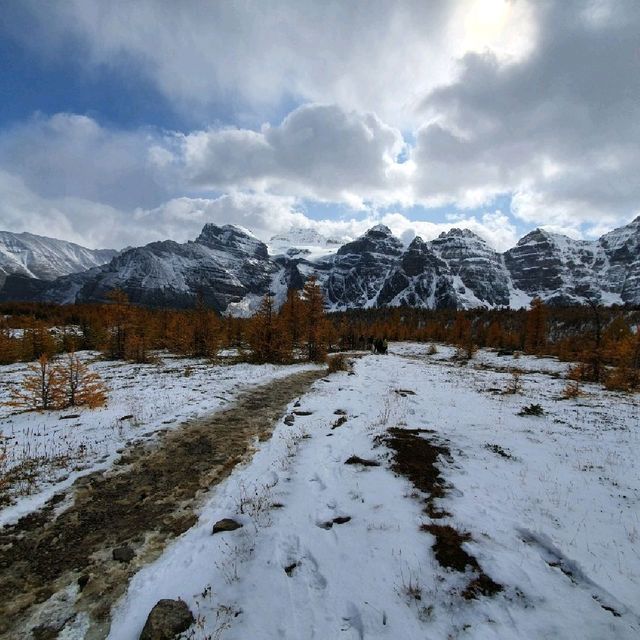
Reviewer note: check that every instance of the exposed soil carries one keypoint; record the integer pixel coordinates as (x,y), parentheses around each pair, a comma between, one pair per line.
(144,502)
(415,456)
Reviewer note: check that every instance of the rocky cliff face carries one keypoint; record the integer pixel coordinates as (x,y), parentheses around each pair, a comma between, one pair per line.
(357,272)
(619,262)
(231,268)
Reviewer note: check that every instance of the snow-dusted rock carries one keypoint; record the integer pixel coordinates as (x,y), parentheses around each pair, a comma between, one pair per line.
(232,269)
(44,258)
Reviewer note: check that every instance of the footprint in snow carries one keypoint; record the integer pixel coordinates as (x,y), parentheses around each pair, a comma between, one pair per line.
(353,620)
(316,478)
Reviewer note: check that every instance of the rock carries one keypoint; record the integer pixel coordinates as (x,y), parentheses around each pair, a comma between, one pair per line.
(329,523)
(226,524)
(166,620)
(44,632)
(124,554)
(362,461)
(339,422)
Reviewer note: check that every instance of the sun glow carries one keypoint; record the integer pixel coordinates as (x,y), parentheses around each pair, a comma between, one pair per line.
(486,20)
(505,27)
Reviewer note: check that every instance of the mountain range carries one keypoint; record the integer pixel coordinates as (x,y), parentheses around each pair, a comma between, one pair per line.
(232,269)
(45,258)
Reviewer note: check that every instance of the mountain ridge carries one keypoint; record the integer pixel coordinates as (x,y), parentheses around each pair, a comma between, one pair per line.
(232,269)
(46,258)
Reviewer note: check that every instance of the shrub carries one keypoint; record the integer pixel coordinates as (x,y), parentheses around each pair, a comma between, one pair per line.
(337,362)
(515,384)
(48,386)
(531,410)
(571,390)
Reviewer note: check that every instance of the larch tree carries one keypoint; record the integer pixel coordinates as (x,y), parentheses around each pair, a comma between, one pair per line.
(292,314)
(267,337)
(41,389)
(317,328)
(536,327)
(79,386)
(204,330)
(118,319)
(462,336)
(8,344)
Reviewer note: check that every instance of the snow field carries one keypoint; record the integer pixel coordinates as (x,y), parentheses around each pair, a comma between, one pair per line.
(551,503)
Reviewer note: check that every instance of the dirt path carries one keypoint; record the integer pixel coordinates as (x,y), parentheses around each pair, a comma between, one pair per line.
(55,565)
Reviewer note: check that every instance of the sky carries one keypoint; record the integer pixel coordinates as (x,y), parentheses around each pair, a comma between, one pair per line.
(123,123)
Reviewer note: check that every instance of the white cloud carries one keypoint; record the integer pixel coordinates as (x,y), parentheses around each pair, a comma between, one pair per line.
(72,155)
(182,219)
(253,56)
(543,103)
(559,128)
(318,151)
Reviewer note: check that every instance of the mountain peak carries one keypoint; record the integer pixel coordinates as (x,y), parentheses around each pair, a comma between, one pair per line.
(379,229)
(232,238)
(417,244)
(456,232)
(300,236)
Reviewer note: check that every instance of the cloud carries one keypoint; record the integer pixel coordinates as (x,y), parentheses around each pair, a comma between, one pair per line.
(97,225)
(182,218)
(318,151)
(72,155)
(405,104)
(85,222)
(250,58)
(560,128)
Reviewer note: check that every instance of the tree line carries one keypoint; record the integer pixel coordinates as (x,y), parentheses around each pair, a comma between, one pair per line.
(604,341)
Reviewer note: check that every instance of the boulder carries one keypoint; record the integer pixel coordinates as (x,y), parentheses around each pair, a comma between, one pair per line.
(226,524)
(167,619)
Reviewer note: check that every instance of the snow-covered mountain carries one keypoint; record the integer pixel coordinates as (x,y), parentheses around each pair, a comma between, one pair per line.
(304,242)
(224,265)
(45,258)
(232,269)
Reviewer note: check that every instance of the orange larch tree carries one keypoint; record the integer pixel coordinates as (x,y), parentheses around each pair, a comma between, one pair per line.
(267,335)
(536,327)
(78,385)
(41,388)
(317,328)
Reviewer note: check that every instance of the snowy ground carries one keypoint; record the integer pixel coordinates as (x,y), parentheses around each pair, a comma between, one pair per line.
(51,450)
(552,504)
